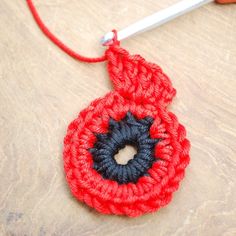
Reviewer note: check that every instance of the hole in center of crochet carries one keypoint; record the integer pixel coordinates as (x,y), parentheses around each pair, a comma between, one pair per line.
(125,154)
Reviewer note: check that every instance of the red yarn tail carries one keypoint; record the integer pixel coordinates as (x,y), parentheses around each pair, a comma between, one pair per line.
(57,41)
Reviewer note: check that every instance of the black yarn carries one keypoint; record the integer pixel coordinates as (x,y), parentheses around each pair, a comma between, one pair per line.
(129,131)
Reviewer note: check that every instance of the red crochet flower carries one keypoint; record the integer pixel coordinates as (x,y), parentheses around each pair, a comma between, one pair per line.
(134,113)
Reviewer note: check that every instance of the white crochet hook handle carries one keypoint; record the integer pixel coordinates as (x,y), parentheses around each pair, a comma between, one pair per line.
(156,19)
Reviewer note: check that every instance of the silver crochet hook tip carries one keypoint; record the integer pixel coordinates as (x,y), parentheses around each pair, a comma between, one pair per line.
(107,38)
(156,19)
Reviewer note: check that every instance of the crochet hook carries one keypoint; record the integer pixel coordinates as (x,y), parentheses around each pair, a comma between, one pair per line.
(159,18)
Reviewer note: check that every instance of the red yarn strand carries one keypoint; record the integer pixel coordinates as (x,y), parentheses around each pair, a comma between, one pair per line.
(57,41)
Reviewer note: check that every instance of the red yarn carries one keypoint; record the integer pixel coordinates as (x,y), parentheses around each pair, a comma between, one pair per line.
(143,90)
(57,41)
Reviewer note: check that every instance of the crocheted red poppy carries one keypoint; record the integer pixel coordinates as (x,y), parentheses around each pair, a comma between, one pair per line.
(134,113)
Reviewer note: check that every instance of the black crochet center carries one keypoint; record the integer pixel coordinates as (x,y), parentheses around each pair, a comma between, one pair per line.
(129,131)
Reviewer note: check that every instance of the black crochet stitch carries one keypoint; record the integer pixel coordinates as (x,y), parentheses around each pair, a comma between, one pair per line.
(129,131)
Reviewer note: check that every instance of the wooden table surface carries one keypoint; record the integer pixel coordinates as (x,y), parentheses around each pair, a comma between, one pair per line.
(42,90)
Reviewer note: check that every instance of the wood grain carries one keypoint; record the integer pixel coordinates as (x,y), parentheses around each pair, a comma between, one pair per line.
(42,90)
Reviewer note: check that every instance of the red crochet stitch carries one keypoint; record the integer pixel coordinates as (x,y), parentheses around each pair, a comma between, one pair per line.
(144,90)
(142,93)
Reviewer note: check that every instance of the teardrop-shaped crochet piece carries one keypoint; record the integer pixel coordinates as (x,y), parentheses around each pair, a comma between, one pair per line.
(135,113)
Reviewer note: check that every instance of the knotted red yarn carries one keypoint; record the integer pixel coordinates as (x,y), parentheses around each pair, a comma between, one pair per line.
(134,113)
(142,89)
